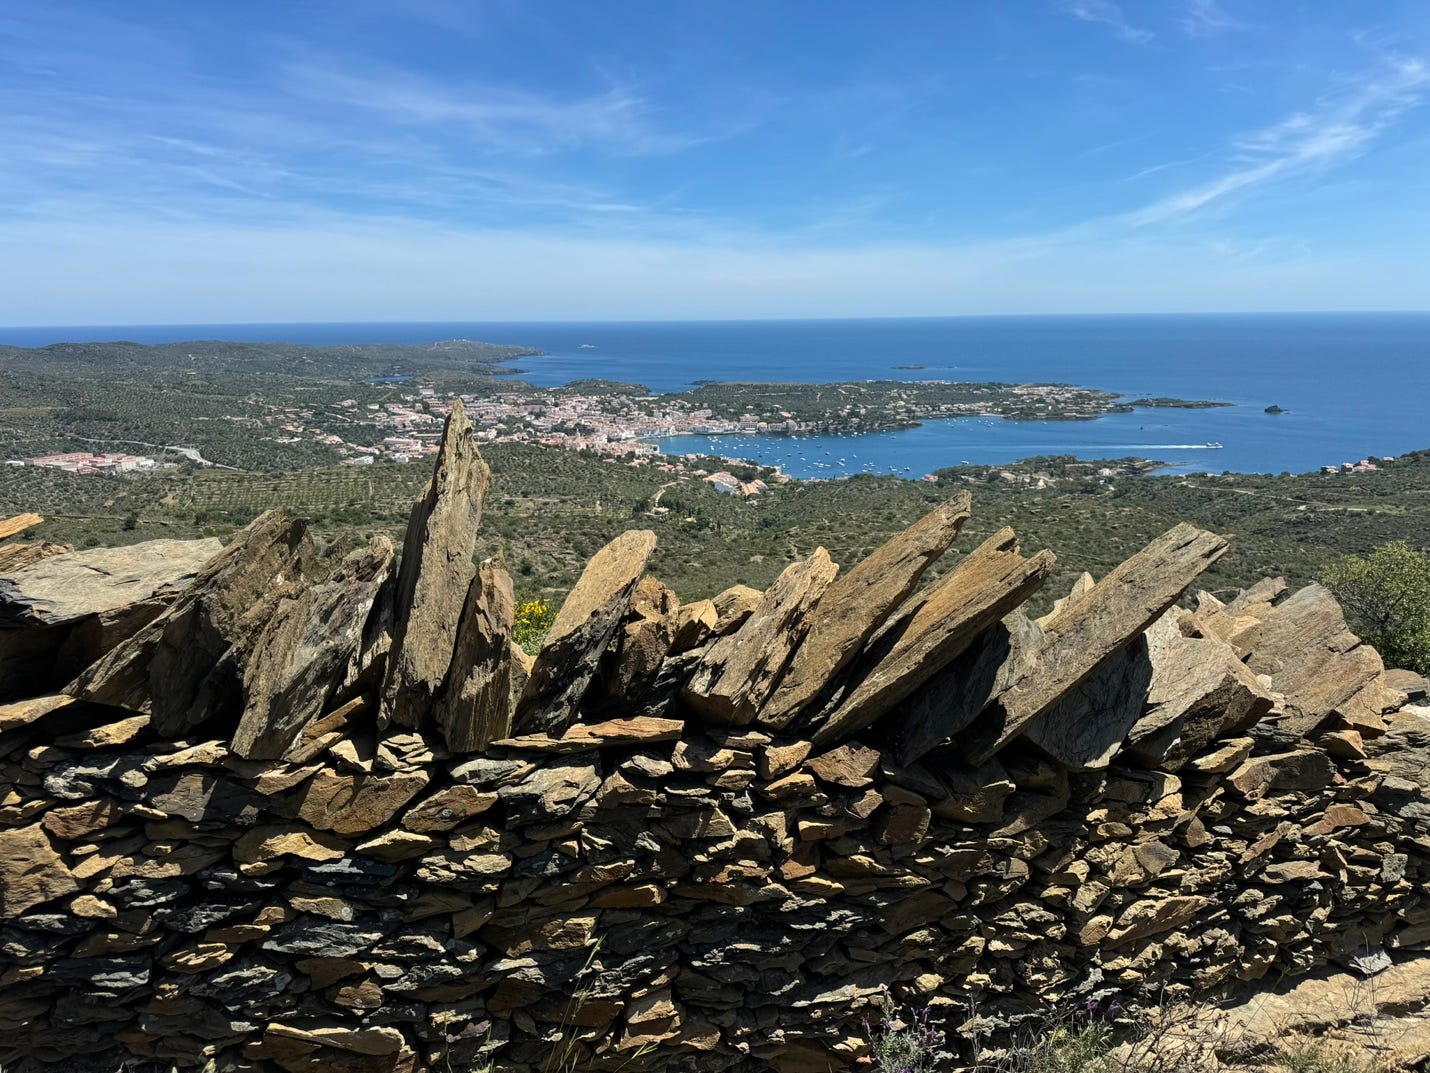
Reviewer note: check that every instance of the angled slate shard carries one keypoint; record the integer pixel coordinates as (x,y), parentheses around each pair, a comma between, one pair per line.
(581,633)
(1087,726)
(641,644)
(1093,625)
(302,653)
(1311,656)
(991,581)
(858,603)
(187,666)
(954,697)
(738,672)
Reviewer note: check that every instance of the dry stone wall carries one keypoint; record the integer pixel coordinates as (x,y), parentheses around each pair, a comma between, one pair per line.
(287,822)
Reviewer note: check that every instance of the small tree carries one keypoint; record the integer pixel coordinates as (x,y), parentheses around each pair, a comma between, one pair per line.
(1387,595)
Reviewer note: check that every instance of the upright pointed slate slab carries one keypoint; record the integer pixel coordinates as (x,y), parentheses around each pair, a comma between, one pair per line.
(438,564)
(476,707)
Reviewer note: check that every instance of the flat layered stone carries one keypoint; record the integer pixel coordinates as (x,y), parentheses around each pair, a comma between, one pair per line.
(60,613)
(99,581)
(31,871)
(22,713)
(354,804)
(636,730)
(15,556)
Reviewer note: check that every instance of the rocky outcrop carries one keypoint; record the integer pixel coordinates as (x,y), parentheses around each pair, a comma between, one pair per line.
(222,847)
(100,581)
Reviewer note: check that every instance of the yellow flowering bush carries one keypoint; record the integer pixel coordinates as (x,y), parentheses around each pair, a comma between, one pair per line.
(533,620)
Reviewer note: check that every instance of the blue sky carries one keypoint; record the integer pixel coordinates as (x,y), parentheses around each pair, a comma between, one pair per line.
(310,160)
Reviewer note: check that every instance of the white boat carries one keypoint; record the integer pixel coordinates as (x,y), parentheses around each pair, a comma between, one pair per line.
(1213,443)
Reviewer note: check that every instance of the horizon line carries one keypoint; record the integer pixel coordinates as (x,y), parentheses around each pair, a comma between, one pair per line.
(718,320)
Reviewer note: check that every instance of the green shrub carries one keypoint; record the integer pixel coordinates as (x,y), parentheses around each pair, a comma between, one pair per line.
(1387,597)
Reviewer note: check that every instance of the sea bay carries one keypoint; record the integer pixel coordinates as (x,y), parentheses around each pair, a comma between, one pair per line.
(1352,385)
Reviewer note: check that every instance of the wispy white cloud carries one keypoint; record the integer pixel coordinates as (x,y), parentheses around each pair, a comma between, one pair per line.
(501,118)
(1339,128)
(1203,18)
(1106,13)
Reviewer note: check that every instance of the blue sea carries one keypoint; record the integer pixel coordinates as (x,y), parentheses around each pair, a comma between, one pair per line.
(1354,384)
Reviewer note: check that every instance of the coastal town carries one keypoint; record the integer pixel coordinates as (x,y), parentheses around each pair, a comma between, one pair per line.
(617,426)
(617,421)
(398,420)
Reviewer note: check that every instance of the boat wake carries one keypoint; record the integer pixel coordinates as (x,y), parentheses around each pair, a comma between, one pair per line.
(1163,447)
